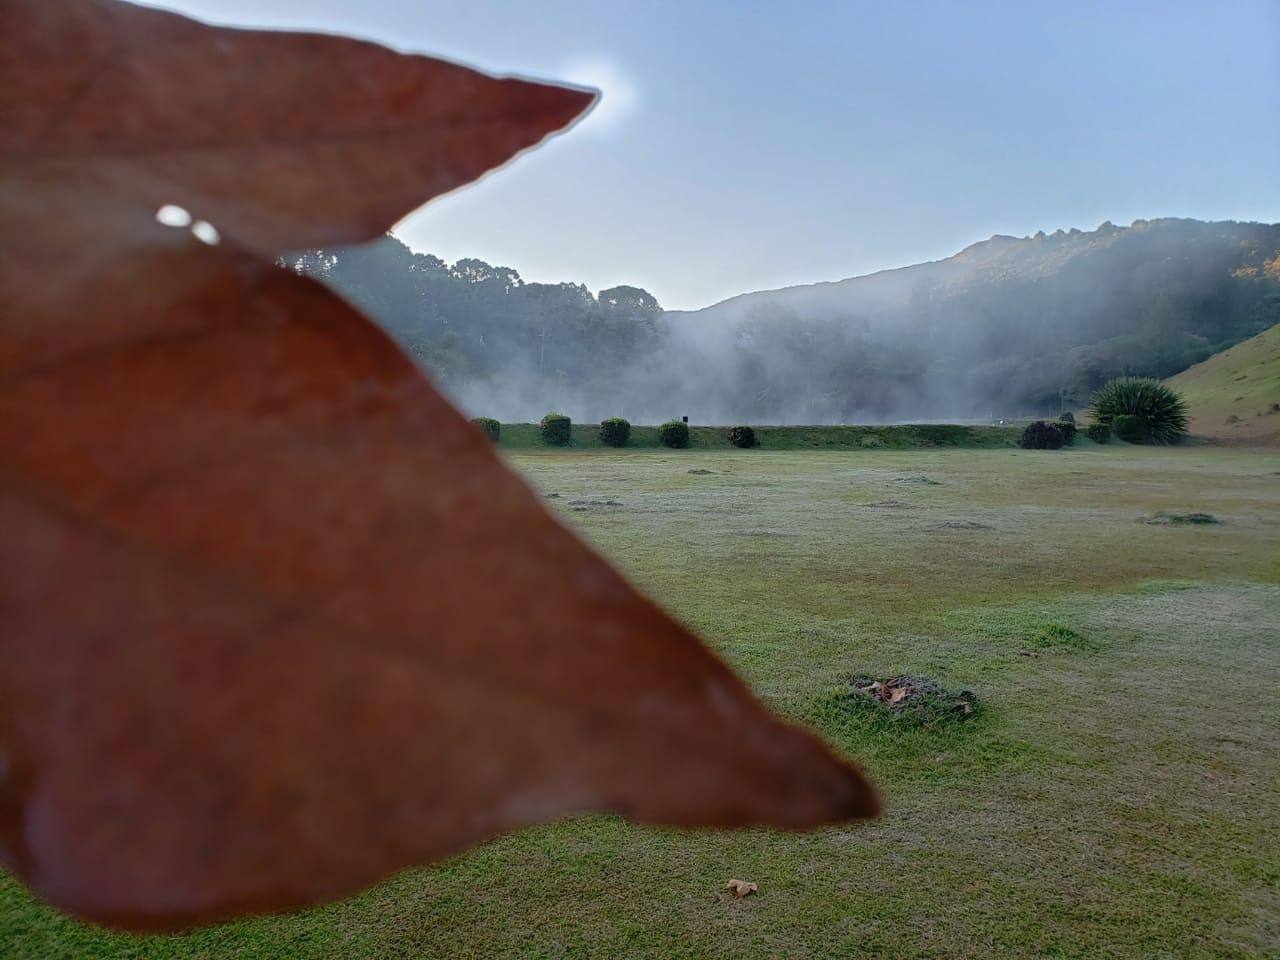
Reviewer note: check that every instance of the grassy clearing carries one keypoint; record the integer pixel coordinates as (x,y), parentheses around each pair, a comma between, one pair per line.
(586,436)
(1115,796)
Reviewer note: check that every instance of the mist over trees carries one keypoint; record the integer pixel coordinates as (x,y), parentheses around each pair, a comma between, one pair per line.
(1007,326)
(500,346)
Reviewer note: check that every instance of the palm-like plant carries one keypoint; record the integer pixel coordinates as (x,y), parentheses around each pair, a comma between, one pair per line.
(1163,410)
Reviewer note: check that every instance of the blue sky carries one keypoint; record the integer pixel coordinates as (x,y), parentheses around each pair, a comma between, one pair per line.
(746,145)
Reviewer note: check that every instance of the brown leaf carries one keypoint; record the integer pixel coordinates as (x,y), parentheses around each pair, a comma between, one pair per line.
(274,619)
(741,888)
(283,140)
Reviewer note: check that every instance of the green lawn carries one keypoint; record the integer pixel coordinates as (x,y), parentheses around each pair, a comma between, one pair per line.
(1117,795)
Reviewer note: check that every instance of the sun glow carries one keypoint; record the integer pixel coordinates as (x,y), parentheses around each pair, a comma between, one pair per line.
(618,98)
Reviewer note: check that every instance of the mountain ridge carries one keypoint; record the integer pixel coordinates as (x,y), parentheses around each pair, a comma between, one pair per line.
(1004,243)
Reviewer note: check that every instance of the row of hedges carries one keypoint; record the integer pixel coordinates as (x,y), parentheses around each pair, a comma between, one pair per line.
(523,436)
(556,430)
(516,435)
(1137,410)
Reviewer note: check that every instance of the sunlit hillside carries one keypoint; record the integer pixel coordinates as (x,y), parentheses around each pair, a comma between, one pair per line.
(1235,395)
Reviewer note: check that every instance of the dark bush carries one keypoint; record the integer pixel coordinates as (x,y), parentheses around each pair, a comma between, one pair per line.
(742,437)
(1068,429)
(555,429)
(1067,417)
(675,434)
(1098,432)
(1131,428)
(491,427)
(1162,412)
(1041,436)
(615,431)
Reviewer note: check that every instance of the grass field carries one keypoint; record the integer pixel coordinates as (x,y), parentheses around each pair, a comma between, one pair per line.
(1116,795)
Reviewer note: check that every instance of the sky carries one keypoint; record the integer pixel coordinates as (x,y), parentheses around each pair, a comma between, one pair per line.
(748,145)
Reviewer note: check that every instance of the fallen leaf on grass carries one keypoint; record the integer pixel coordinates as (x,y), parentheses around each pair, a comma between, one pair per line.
(741,888)
(274,619)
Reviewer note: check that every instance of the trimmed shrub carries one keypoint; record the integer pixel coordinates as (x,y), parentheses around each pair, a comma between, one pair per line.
(742,437)
(1162,412)
(615,431)
(491,427)
(1067,417)
(1098,432)
(1068,429)
(674,433)
(1041,436)
(1131,428)
(555,429)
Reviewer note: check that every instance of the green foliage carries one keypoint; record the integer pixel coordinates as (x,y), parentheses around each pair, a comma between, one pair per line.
(491,427)
(1068,430)
(674,433)
(615,432)
(1067,417)
(1131,428)
(1041,436)
(1098,432)
(742,436)
(556,429)
(1153,412)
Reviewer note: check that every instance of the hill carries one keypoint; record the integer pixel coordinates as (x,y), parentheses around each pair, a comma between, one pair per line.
(1235,395)
(1007,327)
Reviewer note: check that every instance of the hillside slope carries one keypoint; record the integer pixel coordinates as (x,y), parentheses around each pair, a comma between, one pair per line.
(1008,325)
(1235,395)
